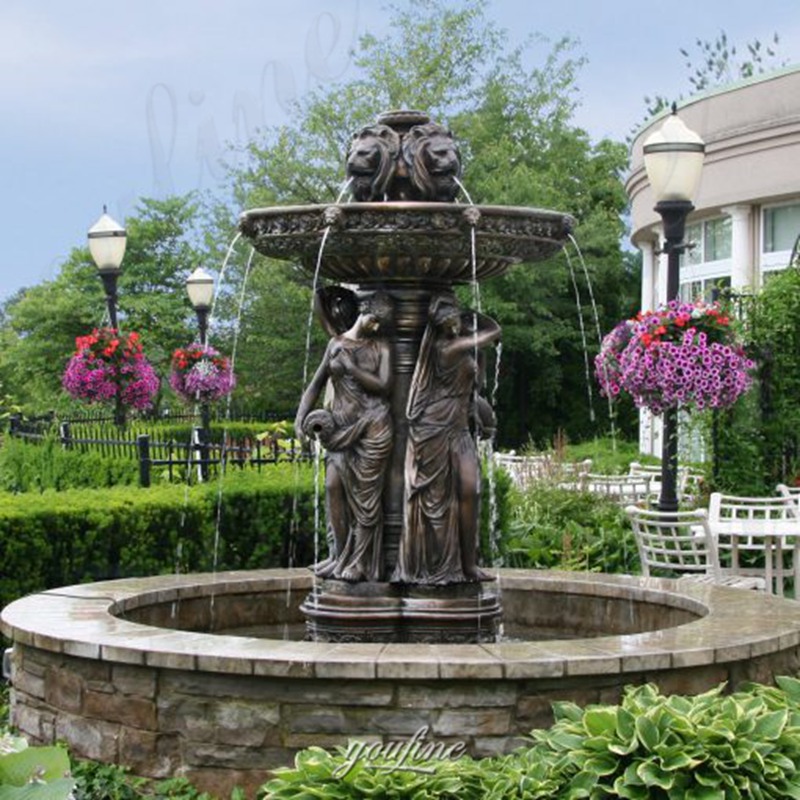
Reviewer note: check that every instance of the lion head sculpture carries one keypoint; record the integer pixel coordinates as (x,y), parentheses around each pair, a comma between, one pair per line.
(433,162)
(371,162)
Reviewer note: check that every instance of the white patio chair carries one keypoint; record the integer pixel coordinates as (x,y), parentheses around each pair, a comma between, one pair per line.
(680,544)
(790,493)
(689,484)
(523,470)
(622,489)
(529,469)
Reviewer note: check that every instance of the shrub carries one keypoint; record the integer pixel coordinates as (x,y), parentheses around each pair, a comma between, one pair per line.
(95,781)
(57,538)
(552,528)
(34,467)
(53,538)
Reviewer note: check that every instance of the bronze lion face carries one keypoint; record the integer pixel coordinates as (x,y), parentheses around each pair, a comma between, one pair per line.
(371,162)
(433,162)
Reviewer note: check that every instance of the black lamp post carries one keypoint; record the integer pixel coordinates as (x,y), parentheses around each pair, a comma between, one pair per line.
(107,239)
(673,158)
(200,288)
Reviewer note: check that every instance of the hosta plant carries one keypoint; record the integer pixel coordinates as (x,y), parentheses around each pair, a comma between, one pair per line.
(33,773)
(651,746)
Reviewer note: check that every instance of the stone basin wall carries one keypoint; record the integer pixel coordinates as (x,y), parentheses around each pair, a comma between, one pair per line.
(226,710)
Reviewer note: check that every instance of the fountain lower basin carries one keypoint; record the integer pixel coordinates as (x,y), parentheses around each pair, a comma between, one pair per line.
(131,671)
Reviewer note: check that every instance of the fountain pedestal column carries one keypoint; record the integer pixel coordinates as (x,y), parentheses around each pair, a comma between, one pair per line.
(338,611)
(458,613)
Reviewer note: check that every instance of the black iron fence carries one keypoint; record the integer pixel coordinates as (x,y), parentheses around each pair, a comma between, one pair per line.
(192,459)
(199,458)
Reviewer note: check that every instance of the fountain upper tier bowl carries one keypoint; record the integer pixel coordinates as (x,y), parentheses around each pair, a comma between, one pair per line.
(406,241)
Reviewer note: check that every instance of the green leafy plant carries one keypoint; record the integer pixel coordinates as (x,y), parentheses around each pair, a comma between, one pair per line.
(59,538)
(649,747)
(33,773)
(97,781)
(319,774)
(552,528)
(756,444)
(654,746)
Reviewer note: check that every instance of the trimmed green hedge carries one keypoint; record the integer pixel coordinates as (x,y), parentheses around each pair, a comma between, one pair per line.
(52,539)
(58,538)
(36,467)
(27,466)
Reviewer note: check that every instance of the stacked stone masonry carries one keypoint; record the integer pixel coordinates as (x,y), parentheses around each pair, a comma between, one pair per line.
(225,710)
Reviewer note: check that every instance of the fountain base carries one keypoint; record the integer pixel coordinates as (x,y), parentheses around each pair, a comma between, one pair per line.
(149,672)
(462,613)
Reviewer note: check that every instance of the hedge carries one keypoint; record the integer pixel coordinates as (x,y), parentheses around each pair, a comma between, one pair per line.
(52,539)
(59,538)
(38,466)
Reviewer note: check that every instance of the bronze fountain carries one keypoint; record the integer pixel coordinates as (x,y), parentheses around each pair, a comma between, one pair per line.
(402,379)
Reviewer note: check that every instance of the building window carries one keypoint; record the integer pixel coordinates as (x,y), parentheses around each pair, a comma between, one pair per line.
(694,236)
(707,290)
(781,228)
(711,240)
(717,239)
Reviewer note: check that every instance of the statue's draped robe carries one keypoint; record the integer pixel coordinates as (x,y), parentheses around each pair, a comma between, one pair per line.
(359,446)
(439,442)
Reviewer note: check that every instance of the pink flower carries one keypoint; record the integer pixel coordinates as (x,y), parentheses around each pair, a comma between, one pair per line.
(662,364)
(200,374)
(101,370)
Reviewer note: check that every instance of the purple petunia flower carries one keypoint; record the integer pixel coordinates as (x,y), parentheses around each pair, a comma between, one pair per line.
(201,374)
(663,364)
(108,365)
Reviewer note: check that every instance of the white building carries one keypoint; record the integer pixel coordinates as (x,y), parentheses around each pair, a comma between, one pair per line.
(747,211)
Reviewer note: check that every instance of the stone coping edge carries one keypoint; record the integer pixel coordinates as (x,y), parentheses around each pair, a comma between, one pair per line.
(81,620)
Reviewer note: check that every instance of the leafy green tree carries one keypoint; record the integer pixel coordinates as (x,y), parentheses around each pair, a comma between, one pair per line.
(39,329)
(39,324)
(520,147)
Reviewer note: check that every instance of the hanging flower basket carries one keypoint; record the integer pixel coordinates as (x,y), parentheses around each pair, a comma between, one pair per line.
(606,363)
(683,356)
(200,374)
(108,366)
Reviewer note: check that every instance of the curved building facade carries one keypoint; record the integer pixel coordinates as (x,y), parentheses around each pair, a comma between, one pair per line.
(746,220)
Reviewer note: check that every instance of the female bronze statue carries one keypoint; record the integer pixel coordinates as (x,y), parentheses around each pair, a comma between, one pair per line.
(356,430)
(439,541)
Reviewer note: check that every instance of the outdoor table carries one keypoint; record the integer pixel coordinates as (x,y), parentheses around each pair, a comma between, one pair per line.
(772,536)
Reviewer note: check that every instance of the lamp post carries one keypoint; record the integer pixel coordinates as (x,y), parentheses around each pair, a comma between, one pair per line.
(107,239)
(673,158)
(200,288)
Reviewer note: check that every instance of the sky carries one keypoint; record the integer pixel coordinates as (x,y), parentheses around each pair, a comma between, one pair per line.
(105,103)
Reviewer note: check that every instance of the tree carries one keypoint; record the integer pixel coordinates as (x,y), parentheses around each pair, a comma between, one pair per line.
(520,148)
(39,324)
(718,62)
